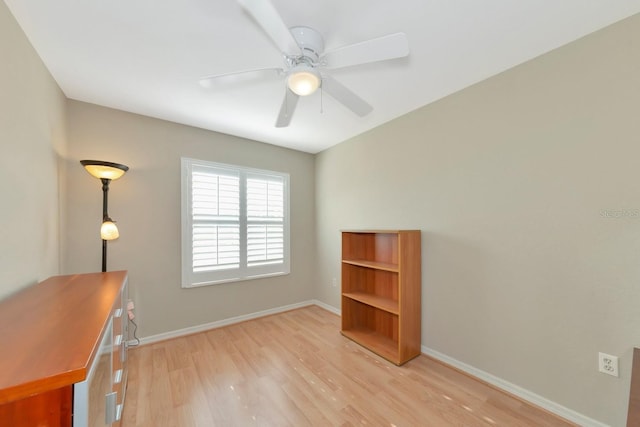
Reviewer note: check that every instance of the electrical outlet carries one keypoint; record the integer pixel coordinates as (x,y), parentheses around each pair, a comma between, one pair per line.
(608,364)
(334,282)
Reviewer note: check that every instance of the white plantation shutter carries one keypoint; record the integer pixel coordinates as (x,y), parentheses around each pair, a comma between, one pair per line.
(235,223)
(215,203)
(265,220)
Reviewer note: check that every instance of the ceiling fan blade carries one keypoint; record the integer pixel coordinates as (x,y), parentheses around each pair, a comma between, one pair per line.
(345,96)
(220,80)
(271,22)
(287,109)
(380,49)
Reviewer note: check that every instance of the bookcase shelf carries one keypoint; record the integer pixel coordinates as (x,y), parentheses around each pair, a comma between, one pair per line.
(381,303)
(372,264)
(374,341)
(381,288)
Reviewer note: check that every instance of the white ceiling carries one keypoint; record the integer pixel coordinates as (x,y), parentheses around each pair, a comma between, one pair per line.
(147,56)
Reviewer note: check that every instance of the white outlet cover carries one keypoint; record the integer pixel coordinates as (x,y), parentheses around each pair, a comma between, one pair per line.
(608,364)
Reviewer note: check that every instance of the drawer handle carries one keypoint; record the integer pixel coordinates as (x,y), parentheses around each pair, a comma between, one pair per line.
(118,412)
(117,340)
(118,313)
(117,377)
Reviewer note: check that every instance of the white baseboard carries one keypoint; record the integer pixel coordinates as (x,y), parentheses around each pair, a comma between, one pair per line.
(515,390)
(219,323)
(501,384)
(327,307)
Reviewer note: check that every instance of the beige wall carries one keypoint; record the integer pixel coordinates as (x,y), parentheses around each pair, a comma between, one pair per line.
(32,136)
(145,202)
(524,275)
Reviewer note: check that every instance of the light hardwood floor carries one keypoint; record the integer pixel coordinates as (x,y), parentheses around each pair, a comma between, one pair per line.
(296,369)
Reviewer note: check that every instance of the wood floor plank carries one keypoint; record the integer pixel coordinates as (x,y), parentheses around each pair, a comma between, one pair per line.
(296,369)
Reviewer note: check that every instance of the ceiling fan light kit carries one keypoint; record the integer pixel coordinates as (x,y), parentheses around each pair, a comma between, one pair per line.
(303,80)
(304,55)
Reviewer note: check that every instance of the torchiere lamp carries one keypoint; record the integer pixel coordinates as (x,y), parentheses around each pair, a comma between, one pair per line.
(105,172)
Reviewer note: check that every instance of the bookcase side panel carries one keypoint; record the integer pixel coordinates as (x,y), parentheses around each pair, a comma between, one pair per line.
(410,294)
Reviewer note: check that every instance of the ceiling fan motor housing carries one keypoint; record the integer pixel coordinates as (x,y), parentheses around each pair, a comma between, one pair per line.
(310,41)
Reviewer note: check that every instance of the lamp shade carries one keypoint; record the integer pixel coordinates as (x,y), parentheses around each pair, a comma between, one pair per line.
(101,169)
(303,80)
(109,231)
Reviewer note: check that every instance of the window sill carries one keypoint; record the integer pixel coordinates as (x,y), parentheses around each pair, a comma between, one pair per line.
(234,279)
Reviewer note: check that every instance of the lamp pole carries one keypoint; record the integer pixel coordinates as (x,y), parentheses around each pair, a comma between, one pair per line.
(105,216)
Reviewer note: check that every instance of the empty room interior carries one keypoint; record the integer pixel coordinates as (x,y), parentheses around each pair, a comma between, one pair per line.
(456,195)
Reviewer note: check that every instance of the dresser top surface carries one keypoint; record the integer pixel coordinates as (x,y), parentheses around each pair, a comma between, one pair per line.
(50,331)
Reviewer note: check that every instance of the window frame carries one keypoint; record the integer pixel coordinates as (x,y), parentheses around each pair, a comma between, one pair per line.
(191,279)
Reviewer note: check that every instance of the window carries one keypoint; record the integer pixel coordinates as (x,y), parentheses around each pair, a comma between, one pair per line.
(235,223)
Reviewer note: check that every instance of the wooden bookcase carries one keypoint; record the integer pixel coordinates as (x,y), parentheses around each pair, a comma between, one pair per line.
(381,288)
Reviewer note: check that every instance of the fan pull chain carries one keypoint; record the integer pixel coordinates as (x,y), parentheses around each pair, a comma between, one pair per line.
(321,99)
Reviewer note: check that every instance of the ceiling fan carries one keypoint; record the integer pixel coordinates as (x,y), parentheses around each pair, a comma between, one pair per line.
(304,56)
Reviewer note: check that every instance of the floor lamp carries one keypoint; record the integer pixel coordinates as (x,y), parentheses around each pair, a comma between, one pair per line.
(105,172)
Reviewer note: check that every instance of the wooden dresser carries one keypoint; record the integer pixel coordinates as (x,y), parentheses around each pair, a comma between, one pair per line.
(64,359)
